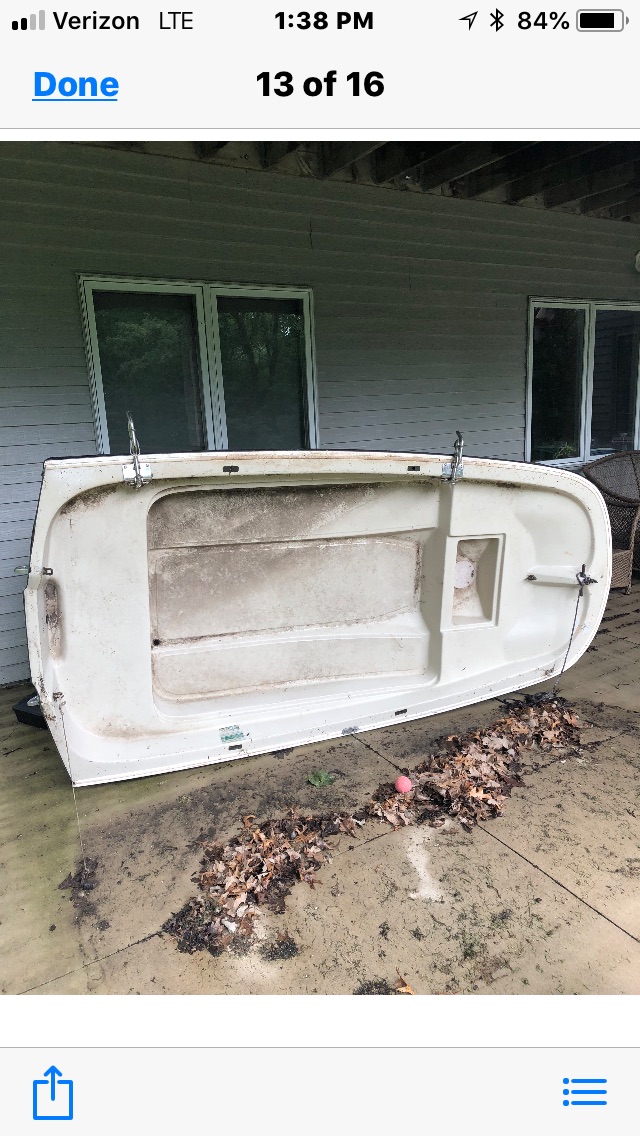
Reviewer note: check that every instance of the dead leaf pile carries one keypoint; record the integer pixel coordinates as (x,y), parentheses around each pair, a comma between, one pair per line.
(469,777)
(256,869)
(473,775)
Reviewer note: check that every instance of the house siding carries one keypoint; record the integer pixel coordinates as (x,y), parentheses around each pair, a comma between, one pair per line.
(420,303)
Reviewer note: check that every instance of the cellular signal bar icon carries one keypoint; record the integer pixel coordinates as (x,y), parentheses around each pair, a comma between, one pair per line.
(35,21)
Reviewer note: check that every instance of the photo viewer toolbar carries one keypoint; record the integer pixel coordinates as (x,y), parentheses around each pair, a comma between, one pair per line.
(379,66)
(89,1091)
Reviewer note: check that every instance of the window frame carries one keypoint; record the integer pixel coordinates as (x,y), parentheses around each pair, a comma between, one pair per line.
(208,347)
(591,308)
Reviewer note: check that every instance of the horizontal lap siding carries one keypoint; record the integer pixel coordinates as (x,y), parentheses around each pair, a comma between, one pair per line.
(420,303)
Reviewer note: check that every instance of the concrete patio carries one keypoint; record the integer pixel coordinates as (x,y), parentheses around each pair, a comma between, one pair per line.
(544,900)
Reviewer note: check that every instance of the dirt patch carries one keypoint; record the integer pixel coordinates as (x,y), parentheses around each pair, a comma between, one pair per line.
(499,918)
(90,499)
(280,950)
(382,986)
(375,986)
(613,718)
(81,884)
(469,778)
(631,868)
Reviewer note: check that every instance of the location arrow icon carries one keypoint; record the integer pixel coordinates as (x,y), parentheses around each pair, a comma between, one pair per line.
(471,17)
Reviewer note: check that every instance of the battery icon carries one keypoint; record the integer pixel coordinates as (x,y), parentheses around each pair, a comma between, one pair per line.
(602,20)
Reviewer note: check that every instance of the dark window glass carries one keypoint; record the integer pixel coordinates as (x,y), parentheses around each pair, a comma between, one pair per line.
(149,363)
(615,379)
(558,353)
(262,346)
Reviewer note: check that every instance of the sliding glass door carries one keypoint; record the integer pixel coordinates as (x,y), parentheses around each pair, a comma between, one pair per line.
(584,366)
(199,366)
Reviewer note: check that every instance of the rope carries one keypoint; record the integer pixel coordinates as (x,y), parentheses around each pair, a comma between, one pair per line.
(84,858)
(73,790)
(583,580)
(556,684)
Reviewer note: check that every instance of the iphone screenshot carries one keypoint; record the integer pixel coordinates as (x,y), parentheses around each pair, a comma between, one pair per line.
(319,568)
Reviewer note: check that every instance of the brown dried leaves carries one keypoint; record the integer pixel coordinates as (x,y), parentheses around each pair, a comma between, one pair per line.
(469,778)
(474,774)
(256,869)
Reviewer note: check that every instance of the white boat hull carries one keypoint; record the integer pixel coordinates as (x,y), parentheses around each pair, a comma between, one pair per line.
(209,615)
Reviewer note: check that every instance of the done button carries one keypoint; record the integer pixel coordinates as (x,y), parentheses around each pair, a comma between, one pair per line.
(84,89)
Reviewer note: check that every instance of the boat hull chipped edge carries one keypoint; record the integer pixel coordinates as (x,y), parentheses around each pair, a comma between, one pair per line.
(237,604)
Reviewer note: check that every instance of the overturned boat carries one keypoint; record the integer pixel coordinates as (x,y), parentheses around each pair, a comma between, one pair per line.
(187,609)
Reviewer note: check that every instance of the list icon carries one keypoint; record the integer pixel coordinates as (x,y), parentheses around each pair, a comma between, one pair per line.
(584,1091)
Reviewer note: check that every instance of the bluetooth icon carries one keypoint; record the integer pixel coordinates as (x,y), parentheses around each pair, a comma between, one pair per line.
(496,19)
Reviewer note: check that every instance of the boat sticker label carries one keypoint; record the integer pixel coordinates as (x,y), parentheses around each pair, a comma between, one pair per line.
(231,734)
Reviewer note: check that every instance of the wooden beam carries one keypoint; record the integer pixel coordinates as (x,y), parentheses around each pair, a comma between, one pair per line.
(532,184)
(273,152)
(207,151)
(625,208)
(590,173)
(336,156)
(400,159)
(612,181)
(524,174)
(612,199)
(438,163)
(611,187)
(462,159)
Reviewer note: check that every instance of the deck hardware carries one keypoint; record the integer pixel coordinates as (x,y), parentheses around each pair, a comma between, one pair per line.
(531,577)
(236,746)
(47,571)
(138,473)
(398,712)
(231,469)
(413,469)
(583,579)
(454,469)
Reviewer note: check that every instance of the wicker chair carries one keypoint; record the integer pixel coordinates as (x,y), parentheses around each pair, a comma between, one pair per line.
(617,476)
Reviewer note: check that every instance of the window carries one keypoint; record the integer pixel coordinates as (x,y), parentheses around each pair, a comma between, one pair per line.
(262,350)
(583,380)
(200,366)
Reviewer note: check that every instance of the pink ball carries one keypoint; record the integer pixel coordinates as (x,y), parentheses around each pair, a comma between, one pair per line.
(403,784)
